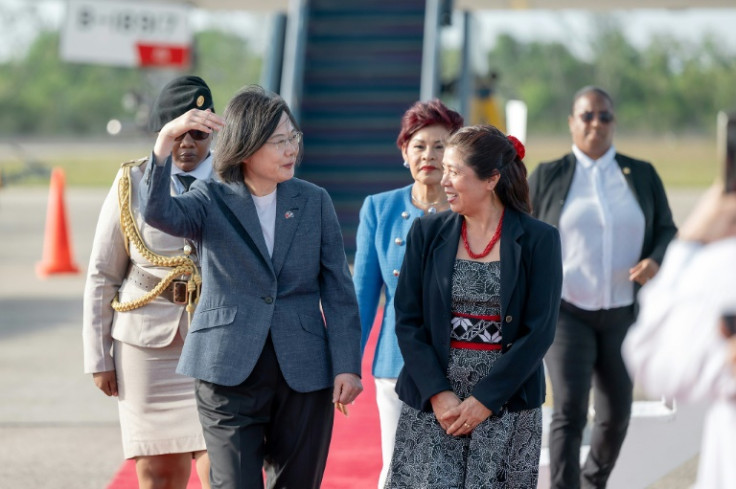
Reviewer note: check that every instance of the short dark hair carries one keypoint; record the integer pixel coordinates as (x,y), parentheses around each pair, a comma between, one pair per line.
(423,114)
(488,151)
(590,89)
(251,117)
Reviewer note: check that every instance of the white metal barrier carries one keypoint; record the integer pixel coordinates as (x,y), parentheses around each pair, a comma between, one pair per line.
(661,437)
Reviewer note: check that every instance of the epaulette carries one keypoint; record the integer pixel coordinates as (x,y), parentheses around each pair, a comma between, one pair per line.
(137,162)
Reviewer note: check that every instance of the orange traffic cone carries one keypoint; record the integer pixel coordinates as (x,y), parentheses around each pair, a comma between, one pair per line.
(56,249)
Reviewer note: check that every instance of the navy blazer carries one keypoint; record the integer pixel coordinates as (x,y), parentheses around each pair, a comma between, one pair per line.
(531,283)
(247,295)
(550,183)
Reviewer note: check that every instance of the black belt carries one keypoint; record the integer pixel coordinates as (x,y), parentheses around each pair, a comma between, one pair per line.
(176,292)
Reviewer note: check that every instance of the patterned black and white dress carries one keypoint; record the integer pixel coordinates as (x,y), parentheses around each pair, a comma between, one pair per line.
(503,451)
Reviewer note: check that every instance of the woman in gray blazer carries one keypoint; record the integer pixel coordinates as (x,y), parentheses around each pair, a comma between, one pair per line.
(275,339)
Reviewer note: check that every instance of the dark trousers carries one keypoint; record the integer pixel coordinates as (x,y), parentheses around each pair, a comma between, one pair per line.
(264,424)
(587,346)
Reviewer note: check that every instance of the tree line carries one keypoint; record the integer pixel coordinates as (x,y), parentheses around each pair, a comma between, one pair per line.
(670,86)
(43,95)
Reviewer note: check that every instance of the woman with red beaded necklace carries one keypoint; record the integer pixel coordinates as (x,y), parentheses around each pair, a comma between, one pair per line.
(476,308)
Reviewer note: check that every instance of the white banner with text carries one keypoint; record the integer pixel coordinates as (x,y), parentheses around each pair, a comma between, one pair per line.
(127,34)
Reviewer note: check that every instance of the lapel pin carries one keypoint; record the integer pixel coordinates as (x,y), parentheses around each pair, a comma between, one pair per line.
(626,170)
(289,215)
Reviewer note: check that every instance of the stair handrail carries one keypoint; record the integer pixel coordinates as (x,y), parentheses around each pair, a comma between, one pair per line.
(294,56)
(273,62)
(430,81)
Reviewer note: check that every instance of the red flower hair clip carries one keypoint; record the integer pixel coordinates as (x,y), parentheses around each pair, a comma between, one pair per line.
(518,146)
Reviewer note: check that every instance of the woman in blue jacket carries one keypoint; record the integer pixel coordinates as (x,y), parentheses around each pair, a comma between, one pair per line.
(385,219)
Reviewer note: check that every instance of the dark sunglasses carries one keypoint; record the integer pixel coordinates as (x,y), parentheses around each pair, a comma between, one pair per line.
(195,134)
(604,116)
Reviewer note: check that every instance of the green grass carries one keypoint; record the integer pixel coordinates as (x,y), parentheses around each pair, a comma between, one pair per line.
(681,162)
(94,172)
(91,164)
(79,172)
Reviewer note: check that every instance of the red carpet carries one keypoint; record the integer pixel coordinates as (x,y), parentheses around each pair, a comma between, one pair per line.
(354,461)
(126,478)
(355,453)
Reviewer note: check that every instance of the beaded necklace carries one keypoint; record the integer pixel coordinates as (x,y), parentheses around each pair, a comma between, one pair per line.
(494,239)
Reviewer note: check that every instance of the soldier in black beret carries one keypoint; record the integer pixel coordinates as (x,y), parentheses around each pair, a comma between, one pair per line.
(178,96)
(191,154)
(142,286)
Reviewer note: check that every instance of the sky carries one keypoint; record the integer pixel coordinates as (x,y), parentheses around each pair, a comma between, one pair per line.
(572,27)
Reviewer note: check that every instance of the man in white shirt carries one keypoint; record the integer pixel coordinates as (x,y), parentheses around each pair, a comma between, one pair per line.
(679,347)
(615,224)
